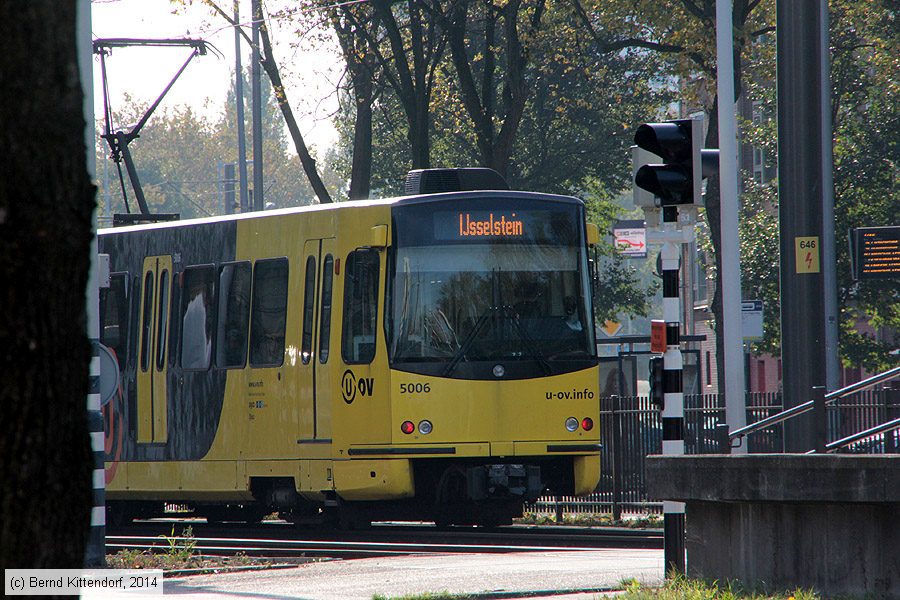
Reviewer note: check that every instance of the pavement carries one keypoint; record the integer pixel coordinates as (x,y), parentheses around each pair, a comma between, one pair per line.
(563,575)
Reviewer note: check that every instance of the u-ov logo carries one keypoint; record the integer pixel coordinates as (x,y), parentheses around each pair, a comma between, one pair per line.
(351,386)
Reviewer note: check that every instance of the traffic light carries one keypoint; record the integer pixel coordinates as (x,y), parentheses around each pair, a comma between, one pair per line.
(677,180)
(657,394)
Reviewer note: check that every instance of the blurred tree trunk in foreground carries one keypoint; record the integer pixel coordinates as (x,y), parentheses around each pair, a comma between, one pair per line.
(46,200)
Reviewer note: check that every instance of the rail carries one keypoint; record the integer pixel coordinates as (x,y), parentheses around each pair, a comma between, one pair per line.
(858,437)
(739,434)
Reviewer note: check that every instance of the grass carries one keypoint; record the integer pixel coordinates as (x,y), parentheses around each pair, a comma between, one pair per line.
(650,521)
(179,554)
(425,596)
(681,588)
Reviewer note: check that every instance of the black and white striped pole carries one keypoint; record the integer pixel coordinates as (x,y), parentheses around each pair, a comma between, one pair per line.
(95,552)
(95,549)
(672,182)
(673,396)
(666,378)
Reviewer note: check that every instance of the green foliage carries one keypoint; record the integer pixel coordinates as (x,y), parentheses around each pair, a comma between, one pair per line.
(866,79)
(866,119)
(179,155)
(760,263)
(621,288)
(425,596)
(682,588)
(181,548)
(650,521)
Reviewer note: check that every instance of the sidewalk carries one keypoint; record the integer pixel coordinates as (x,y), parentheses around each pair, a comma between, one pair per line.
(574,575)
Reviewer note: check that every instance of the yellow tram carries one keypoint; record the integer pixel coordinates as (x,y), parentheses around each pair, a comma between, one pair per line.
(427,357)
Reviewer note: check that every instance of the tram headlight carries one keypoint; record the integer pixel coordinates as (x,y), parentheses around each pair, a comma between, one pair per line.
(572,424)
(425,427)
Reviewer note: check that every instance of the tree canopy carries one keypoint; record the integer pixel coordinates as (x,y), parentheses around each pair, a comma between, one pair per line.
(548,93)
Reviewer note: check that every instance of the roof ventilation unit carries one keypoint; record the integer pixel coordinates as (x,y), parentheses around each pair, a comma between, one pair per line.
(436,181)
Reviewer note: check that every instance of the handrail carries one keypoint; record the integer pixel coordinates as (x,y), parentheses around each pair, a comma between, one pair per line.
(784,415)
(856,437)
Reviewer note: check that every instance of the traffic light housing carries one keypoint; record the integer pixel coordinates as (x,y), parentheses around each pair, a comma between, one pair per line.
(677,180)
(657,394)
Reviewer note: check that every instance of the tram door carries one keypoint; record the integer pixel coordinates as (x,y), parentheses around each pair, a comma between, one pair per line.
(156,294)
(315,341)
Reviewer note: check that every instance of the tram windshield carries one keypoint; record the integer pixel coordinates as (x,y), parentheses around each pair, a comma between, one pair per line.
(490,285)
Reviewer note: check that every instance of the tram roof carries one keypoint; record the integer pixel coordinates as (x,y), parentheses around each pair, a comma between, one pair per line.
(394,201)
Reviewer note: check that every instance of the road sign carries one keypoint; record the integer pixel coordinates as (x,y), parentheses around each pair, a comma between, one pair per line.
(611,328)
(630,239)
(806,253)
(752,319)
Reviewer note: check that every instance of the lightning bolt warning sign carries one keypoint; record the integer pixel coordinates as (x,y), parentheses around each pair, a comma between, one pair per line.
(806,253)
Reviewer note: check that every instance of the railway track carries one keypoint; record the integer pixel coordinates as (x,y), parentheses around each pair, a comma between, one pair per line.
(278,540)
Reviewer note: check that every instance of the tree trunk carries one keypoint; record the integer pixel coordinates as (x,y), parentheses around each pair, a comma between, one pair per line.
(409,84)
(361,66)
(306,159)
(361,166)
(495,147)
(714,218)
(271,68)
(46,202)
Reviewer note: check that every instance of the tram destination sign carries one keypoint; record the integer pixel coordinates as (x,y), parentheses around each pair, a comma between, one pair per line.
(875,252)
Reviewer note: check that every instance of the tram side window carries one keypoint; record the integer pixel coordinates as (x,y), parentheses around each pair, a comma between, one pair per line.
(115,315)
(360,307)
(269,312)
(133,320)
(147,320)
(325,325)
(174,322)
(234,315)
(198,317)
(162,319)
(309,296)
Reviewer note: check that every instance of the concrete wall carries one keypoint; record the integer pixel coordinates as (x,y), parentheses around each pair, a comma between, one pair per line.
(828,522)
(833,548)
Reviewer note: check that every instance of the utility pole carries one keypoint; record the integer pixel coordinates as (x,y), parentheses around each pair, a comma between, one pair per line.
(256,92)
(800,209)
(239,100)
(735,402)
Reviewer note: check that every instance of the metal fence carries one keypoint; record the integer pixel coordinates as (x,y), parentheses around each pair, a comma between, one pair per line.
(631,428)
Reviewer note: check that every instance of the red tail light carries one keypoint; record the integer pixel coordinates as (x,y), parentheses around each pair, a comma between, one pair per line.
(407,427)
(587,423)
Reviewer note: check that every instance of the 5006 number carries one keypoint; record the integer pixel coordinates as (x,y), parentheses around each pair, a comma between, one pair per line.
(415,388)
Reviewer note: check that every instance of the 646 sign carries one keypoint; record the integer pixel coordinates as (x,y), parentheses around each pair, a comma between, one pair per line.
(351,386)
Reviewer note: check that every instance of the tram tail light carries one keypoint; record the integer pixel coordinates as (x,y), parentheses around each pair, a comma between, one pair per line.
(407,427)
(587,423)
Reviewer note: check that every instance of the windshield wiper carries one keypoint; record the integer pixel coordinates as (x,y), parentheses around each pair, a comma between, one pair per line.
(530,346)
(506,312)
(468,341)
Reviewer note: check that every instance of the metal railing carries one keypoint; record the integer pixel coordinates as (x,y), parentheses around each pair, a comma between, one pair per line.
(848,441)
(829,398)
(631,428)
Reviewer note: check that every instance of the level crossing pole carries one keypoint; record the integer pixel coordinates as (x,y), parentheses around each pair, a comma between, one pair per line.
(672,237)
